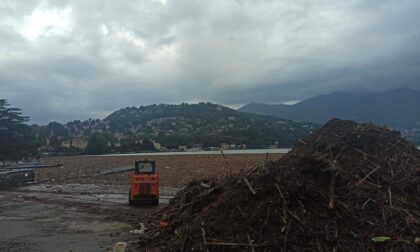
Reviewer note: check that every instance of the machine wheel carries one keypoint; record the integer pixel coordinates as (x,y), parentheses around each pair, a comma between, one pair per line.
(130,202)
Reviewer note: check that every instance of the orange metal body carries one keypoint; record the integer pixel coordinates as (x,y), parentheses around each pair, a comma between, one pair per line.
(144,183)
(144,186)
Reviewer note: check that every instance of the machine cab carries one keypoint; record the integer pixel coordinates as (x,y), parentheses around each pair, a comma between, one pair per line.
(145,167)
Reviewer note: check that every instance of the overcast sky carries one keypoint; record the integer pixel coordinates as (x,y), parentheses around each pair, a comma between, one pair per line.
(65,60)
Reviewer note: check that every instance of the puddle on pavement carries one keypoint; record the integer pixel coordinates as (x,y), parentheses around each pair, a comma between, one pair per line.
(97,226)
(46,220)
(6,218)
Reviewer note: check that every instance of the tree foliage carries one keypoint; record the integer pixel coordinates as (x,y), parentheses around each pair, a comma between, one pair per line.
(147,145)
(16,138)
(97,144)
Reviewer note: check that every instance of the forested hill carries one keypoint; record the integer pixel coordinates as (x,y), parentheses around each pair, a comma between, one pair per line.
(171,126)
(204,124)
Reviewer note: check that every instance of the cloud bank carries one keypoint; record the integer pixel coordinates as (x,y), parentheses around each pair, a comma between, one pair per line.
(63,60)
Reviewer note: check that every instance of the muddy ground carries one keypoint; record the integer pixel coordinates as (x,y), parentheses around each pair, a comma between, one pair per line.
(69,209)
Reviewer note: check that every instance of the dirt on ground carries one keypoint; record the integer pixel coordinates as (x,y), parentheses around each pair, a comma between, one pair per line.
(347,187)
(175,170)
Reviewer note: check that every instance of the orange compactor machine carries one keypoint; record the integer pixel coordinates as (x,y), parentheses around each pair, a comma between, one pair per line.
(144,183)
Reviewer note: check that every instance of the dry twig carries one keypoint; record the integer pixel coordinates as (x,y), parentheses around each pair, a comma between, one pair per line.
(249,186)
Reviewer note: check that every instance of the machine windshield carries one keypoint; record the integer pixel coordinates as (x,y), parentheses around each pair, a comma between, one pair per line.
(145,168)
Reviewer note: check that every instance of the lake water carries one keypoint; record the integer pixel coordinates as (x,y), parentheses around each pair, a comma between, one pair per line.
(227,152)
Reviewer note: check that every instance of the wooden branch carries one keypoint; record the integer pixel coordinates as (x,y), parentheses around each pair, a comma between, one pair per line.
(203,234)
(250,243)
(233,244)
(240,210)
(227,162)
(301,141)
(390,196)
(249,186)
(332,189)
(364,154)
(281,194)
(370,173)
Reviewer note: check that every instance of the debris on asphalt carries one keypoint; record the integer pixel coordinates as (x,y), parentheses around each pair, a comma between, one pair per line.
(139,231)
(119,247)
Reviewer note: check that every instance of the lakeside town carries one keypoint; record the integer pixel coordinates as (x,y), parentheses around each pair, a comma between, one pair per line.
(194,127)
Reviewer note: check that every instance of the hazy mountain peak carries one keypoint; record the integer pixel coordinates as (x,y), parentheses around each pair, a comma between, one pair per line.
(397,108)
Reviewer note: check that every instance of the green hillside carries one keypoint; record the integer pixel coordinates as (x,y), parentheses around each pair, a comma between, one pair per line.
(202,125)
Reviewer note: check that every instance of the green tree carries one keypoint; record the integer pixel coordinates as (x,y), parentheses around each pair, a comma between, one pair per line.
(147,145)
(55,142)
(16,138)
(57,129)
(97,144)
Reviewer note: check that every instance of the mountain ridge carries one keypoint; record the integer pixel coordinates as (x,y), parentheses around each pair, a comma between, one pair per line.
(397,108)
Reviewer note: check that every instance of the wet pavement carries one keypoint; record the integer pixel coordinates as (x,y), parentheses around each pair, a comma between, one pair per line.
(117,194)
(70,217)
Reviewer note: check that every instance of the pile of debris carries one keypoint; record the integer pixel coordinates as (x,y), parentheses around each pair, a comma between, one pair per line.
(347,187)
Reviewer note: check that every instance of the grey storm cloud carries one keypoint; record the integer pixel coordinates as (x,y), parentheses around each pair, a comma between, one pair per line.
(65,60)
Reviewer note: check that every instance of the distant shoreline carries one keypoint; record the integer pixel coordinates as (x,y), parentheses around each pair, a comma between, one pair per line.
(227,152)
